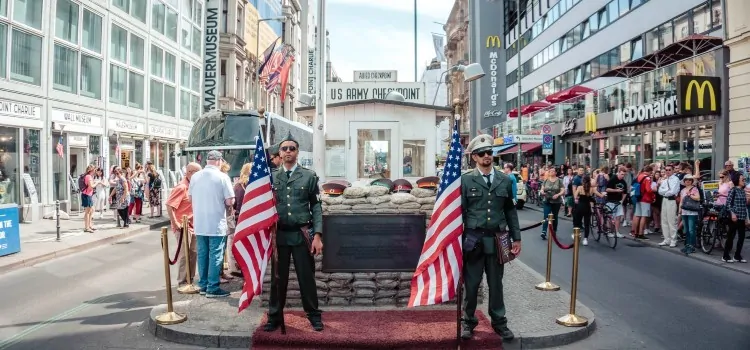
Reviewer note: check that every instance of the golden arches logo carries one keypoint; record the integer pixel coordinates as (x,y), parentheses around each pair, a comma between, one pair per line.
(493,41)
(700,89)
(590,122)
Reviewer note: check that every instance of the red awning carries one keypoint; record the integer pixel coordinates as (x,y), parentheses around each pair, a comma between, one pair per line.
(568,94)
(525,148)
(682,49)
(529,108)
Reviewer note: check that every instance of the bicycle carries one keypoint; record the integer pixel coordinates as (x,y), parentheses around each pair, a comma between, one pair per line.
(608,227)
(713,229)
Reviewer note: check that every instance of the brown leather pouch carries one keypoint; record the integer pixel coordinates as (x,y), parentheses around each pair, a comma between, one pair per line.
(307,235)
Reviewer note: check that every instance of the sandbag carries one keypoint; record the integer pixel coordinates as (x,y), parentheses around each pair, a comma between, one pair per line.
(384,302)
(333,284)
(292,285)
(339,292)
(318,266)
(362,301)
(355,192)
(401,198)
(403,293)
(342,276)
(385,294)
(339,207)
(293,294)
(402,301)
(321,286)
(409,205)
(386,211)
(426,200)
(357,284)
(379,199)
(338,301)
(387,284)
(364,276)
(405,276)
(423,192)
(369,207)
(377,191)
(355,201)
(322,276)
(364,293)
(404,285)
(380,276)
(328,200)
(427,207)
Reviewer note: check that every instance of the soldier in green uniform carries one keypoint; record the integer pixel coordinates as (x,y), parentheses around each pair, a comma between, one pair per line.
(487,199)
(298,235)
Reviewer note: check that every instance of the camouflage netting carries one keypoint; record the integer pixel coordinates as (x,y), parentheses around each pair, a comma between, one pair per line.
(362,289)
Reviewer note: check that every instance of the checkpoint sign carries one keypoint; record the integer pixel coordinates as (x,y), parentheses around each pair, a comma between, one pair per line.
(547,144)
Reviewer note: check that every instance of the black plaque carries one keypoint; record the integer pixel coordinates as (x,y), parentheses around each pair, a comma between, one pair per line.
(372,243)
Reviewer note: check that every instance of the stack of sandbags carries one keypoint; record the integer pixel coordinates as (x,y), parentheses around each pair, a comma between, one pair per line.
(340,288)
(379,200)
(364,288)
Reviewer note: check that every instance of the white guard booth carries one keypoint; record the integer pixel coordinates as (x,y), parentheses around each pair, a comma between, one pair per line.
(369,139)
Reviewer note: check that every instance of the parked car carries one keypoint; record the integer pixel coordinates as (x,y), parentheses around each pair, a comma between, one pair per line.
(521,191)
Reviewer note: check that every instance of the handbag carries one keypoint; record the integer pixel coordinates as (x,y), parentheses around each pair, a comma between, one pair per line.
(502,240)
(691,204)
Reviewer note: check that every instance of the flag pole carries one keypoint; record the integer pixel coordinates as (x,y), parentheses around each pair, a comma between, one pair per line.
(460,291)
(415,40)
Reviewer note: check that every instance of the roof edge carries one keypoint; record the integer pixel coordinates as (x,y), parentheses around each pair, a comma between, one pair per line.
(387,102)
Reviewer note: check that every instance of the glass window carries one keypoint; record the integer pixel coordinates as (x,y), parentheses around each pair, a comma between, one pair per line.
(123,5)
(26,58)
(706,150)
(171,25)
(157,96)
(648,148)
(593,23)
(198,14)
(624,6)
(66,21)
(9,177)
(185,34)
(185,74)
(373,153)
(612,10)
(92,31)
(586,30)
(624,53)
(4,8)
(184,105)
(170,65)
(169,100)
(196,82)
(716,15)
(3,48)
(157,59)
(136,51)
(195,106)
(29,12)
(139,9)
(681,27)
(119,46)
(667,37)
(701,19)
(688,144)
(91,77)
(158,10)
(117,84)
(65,74)
(135,90)
(637,49)
(653,40)
(603,19)
(635,3)
(32,163)
(335,158)
(197,41)
(224,15)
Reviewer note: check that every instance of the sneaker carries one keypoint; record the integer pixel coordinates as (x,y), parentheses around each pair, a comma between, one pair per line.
(740,260)
(673,244)
(619,235)
(730,260)
(219,293)
(585,241)
(663,243)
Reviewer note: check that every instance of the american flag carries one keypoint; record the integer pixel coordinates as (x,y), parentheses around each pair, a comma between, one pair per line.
(437,275)
(252,238)
(273,63)
(59,147)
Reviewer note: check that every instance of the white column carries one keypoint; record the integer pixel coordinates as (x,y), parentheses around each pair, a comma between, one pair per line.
(231,69)
(319,137)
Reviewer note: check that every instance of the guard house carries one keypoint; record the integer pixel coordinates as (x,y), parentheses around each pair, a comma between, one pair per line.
(372,138)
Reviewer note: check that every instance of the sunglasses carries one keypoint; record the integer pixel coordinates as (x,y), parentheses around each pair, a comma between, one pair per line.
(484,153)
(288,148)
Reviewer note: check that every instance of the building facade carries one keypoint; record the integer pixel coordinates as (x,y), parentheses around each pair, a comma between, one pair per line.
(103,82)
(457,52)
(738,40)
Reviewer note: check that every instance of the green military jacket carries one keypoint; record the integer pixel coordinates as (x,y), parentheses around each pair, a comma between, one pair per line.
(489,207)
(297,202)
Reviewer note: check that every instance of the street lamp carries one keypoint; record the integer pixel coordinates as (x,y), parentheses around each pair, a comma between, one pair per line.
(281,19)
(470,72)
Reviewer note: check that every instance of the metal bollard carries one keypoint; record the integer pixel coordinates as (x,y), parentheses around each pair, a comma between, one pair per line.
(57,218)
(547,285)
(571,319)
(188,288)
(169,317)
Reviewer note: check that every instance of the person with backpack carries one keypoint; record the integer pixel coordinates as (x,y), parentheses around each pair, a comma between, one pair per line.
(86,185)
(642,196)
(154,190)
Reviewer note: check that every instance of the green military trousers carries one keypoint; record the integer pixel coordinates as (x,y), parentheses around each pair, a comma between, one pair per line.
(483,259)
(304,265)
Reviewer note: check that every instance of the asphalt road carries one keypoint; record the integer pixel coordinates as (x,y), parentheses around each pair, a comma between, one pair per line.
(97,299)
(645,298)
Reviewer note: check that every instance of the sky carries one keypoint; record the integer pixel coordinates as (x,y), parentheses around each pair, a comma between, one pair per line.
(379,35)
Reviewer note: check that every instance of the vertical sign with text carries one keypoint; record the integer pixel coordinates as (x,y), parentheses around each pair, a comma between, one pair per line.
(211,55)
(488,95)
(311,67)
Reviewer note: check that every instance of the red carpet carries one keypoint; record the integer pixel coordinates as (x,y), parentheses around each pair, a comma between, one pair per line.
(392,329)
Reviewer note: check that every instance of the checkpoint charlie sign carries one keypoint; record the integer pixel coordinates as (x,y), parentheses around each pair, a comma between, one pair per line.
(344,92)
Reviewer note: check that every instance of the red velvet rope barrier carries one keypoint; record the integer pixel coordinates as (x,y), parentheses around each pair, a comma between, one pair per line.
(554,238)
(177,252)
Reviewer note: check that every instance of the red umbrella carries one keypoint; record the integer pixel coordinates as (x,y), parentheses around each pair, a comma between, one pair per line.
(529,108)
(567,94)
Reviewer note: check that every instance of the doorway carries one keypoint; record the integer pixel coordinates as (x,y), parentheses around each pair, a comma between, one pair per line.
(373,151)
(77,164)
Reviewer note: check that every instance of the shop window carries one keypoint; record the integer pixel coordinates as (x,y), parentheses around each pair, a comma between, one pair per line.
(138,154)
(705,150)
(59,172)
(648,148)
(373,153)
(630,150)
(667,146)
(335,158)
(32,161)
(9,161)
(414,158)
(701,19)
(29,12)
(688,144)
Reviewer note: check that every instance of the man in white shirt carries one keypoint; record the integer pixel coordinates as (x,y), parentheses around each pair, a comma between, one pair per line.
(211,193)
(669,189)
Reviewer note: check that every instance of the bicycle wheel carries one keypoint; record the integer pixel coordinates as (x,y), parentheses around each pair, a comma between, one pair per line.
(595,228)
(611,233)
(708,236)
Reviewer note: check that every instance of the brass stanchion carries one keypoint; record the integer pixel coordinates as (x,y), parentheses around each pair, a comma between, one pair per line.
(188,288)
(571,319)
(547,285)
(169,317)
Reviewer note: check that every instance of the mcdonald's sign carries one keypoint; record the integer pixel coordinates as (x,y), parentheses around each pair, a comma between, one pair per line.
(590,122)
(698,95)
(493,41)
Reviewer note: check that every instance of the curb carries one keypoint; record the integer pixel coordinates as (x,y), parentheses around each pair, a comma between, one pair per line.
(715,262)
(79,248)
(182,334)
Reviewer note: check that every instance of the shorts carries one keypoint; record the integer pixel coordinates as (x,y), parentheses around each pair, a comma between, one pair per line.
(642,209)
(569,202)
(616,213)
(86,201)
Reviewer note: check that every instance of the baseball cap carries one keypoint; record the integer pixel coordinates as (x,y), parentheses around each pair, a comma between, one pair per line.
(214,155)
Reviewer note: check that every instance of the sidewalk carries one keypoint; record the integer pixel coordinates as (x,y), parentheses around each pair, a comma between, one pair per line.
(655,239)
(531,314)
(38,239)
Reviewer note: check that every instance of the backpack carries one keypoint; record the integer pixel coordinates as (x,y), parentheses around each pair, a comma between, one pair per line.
(157,182)
(635,190)
(82,182)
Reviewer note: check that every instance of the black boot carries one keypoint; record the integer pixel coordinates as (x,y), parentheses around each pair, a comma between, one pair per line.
(504,332)
(271,326)
(317,324)
(467,332)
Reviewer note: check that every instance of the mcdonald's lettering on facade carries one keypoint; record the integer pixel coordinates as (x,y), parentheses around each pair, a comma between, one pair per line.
(493,41)
(699,95)
(590,120)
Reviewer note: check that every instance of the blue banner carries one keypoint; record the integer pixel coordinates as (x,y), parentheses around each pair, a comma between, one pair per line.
(10,239)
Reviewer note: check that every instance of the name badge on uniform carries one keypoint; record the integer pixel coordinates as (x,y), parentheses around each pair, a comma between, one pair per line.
(473,189)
